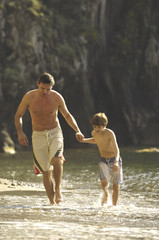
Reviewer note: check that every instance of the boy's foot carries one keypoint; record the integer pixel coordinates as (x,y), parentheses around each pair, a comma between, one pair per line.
(104,200)
(58,197)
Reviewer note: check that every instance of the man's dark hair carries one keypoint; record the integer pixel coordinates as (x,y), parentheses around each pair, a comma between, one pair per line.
(46,78)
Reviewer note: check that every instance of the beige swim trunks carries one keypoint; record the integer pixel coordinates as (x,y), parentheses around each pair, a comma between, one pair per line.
(46,145)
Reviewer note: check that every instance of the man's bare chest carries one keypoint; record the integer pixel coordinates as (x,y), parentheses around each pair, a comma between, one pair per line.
(43,107)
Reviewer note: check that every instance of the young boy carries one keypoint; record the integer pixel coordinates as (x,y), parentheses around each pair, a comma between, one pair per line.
(110,163)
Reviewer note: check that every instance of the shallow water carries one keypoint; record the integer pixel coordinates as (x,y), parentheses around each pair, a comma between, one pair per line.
(27,214)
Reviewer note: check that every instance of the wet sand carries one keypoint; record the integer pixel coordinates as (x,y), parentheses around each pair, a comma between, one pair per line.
(12,185)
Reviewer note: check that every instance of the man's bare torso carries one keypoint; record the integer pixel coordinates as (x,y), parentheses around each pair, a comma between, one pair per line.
(43,110)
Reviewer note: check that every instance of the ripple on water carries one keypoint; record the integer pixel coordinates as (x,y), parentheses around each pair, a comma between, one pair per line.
(25,215)
(78,217)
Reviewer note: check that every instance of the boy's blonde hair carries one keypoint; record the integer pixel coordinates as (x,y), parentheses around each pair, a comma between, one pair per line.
(99,119)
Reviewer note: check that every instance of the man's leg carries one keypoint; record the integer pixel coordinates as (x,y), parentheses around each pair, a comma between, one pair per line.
(115,194)
(48,184)
(57,172)
(104,185)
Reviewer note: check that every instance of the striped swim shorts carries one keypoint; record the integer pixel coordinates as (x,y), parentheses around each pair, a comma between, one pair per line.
(106,172)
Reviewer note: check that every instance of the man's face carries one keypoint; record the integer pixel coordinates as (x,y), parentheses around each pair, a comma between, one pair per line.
(44,89)
(98,128)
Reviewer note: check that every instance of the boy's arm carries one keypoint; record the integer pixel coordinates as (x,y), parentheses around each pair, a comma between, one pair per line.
(23,140)
(88,140)
(116,152)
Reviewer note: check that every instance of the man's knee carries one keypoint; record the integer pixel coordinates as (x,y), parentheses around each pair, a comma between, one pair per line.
(56,161)
(47,174)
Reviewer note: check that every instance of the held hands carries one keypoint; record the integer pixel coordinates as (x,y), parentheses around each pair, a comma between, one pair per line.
(79,136)
(23,140)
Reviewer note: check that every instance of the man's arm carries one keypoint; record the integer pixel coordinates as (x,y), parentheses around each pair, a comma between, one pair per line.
(69,118)
(22,138)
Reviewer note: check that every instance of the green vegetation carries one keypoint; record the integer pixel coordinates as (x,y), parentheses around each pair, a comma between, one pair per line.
(36,8)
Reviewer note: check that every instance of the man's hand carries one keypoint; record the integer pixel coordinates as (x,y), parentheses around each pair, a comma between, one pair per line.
(79,136)
(115,167)
(23,140)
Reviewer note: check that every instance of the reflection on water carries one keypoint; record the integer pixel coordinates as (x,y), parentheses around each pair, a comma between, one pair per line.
(27,215)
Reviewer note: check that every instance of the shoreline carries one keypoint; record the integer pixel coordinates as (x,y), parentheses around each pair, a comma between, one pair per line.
(11,185)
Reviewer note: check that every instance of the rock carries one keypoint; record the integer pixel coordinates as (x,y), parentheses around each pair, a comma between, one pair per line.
(6,143)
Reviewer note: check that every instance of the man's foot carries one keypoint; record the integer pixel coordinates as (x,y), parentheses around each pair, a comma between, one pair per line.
(53,200)
(58,197)
(104,200)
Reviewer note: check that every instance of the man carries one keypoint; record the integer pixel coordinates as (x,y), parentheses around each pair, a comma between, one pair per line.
(47,139)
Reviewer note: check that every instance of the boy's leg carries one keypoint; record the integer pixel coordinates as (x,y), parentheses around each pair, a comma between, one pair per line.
(115,194)
(104,185)
(48,184)
(57,172)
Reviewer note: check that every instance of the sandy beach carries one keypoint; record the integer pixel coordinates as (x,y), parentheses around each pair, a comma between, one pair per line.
(11,185)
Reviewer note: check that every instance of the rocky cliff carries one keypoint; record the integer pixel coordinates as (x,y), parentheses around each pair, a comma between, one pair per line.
(104,55)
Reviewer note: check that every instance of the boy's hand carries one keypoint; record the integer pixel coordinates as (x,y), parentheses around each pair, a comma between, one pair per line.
(115,167)
(79,136)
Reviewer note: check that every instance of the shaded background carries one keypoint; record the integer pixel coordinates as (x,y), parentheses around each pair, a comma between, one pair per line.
(104,55)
